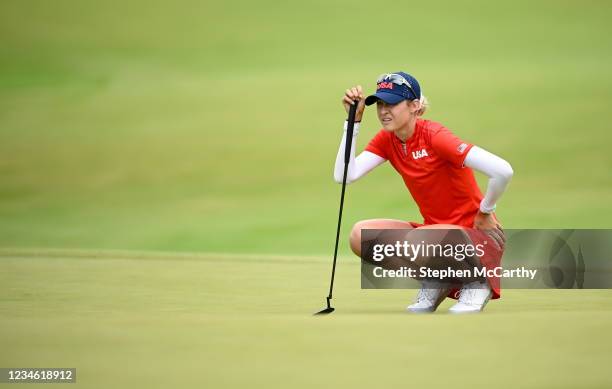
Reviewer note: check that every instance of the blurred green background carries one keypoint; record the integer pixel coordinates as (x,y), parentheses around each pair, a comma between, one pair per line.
(213,126)
(128,128)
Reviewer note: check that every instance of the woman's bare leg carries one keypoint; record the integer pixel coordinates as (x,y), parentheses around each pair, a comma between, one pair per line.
(440,234)
(432,293)
(394,231)
(374,224)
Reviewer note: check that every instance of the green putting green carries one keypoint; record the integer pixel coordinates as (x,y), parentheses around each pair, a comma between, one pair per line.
(157,320)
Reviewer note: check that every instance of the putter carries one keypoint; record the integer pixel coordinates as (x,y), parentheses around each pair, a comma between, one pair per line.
(347,156)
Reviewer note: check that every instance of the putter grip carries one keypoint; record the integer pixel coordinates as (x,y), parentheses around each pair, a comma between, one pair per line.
(349,132)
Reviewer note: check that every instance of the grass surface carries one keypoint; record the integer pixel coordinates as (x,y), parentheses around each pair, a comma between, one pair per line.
(157,320)
(212,127)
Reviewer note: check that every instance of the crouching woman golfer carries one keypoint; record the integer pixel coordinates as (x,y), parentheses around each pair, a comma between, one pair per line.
(436,167)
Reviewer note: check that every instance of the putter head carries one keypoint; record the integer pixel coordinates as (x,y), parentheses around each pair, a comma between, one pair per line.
(326,311)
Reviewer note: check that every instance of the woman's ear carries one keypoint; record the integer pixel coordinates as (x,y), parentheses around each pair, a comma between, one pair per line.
(418,107)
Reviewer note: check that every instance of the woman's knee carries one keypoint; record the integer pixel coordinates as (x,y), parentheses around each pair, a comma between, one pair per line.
(355,238)
(375,224)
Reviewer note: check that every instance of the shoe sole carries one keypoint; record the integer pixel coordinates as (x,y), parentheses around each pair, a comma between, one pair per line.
(465,312)
(421,310)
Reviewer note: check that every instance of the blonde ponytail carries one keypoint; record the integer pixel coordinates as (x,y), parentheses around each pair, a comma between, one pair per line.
(424,103)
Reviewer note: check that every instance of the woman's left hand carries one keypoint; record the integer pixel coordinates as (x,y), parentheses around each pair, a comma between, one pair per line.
(488,223)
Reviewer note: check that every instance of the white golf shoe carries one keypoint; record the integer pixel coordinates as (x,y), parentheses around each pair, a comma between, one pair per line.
(429,297)
(472,298)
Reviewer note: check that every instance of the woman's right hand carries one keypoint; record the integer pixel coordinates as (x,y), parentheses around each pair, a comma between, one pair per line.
(350,96)
(488,223)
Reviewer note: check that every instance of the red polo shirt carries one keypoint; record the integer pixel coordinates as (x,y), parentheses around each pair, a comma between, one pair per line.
(431,164)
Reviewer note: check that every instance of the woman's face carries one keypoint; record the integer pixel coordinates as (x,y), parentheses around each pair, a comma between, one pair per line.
(394,116)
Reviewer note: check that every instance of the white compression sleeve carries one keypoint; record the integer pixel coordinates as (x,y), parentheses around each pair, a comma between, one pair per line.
(499,171)
(358,167)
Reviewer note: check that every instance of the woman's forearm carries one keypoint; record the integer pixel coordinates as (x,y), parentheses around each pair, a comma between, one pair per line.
(497,169)
(359,166)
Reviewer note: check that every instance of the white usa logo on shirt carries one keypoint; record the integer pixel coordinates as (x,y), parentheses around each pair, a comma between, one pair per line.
(419,154)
